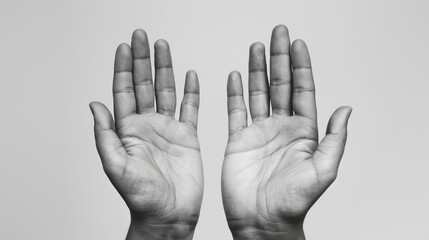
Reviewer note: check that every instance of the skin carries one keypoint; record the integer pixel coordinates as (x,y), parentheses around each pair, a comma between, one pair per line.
(275,169)
(152,159)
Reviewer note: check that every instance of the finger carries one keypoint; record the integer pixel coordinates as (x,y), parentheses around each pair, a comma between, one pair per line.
(330,150)
(142,73)
(259,101)
(280,72)
(123,90)
(237,112)
(109,146)
(303,96)
(191,100)
(165,88)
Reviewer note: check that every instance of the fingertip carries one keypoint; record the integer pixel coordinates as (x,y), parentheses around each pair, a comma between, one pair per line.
(234,75)
(162,54)
(300,55)
(346,110)
(91,108)
(102,115)
(349,113)
(299,46)
(161,44)
(139,44)
(139,33)
(257,47)
(123,58)
(339,119)
(280,29)
(234,86)
(350,109)
(123,48)
(94,105)
(91,104)
(280,42)
(94,111)
(191,75)
(191,83)
(257,57)
(123,52)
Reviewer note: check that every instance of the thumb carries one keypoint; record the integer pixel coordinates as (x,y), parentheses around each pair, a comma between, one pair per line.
(109,146)
(330,150)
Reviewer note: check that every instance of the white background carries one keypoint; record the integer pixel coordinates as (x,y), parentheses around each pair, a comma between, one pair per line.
(57,56)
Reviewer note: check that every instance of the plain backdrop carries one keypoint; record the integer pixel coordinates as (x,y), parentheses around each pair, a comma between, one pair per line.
(57,56)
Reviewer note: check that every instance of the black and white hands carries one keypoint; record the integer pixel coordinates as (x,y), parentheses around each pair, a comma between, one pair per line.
(273,172)
(152,159)
(275,169)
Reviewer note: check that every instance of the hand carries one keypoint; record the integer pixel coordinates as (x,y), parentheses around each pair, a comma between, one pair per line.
(152,159)
(275,169)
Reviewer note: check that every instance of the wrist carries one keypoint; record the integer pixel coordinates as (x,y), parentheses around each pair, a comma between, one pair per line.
(148,231)
(268,231)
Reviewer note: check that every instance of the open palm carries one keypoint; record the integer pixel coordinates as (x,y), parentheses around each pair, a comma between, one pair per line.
(275,169)
(152,159)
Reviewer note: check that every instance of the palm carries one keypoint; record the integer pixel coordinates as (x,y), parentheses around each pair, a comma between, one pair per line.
(152,159)
(163,171)
(271,163)
(275,169)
